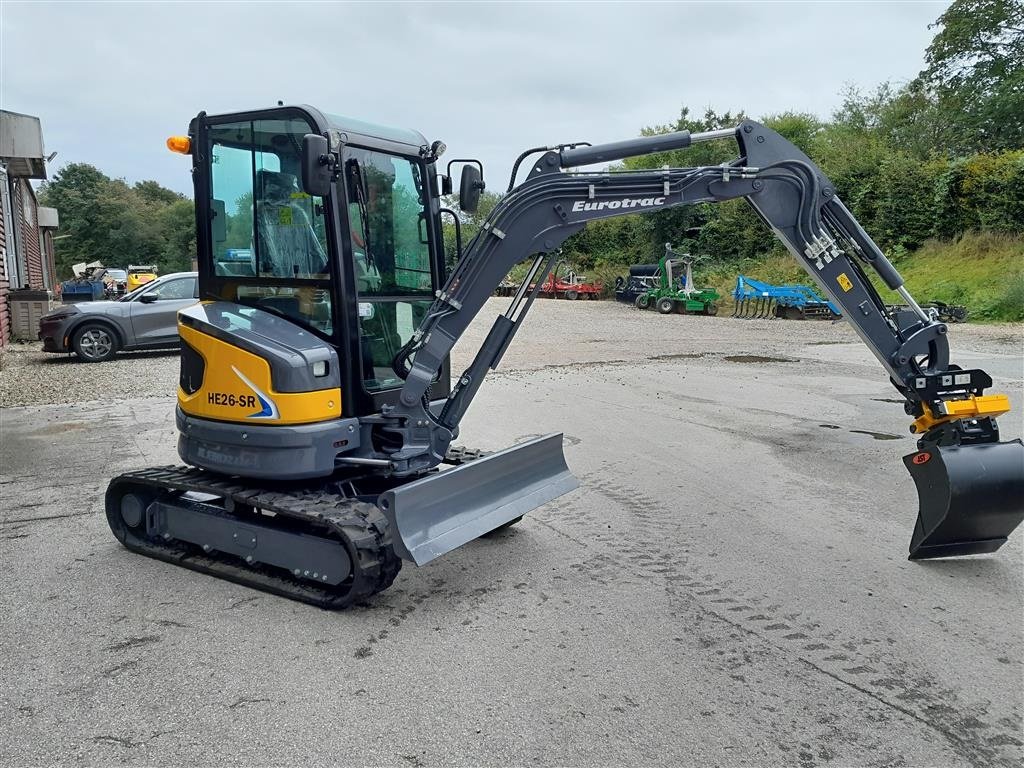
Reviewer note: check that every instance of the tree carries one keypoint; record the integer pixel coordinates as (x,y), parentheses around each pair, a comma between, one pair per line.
(797,127)
(975,68)
(178,228)
(109,221)
(151,192)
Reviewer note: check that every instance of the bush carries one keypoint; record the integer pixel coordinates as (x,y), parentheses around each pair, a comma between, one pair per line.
(906,212)
(983,192)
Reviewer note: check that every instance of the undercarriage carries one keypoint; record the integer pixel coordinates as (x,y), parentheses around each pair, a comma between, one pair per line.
(329,543)
(307,542)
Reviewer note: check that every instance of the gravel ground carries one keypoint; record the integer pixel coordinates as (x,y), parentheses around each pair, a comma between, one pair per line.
(728,586)
(556,333)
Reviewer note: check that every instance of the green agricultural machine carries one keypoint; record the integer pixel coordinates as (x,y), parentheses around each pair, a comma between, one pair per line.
(675,291)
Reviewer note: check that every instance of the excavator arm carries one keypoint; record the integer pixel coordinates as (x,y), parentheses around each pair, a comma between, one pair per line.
(799,204)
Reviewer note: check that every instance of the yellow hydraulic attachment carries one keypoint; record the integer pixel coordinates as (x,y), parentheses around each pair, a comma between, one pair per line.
(975,406)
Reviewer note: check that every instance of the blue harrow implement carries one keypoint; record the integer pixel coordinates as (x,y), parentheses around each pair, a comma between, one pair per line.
(755,299)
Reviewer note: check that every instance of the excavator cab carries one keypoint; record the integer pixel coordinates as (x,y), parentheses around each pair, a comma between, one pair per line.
(354,268)
(341,223)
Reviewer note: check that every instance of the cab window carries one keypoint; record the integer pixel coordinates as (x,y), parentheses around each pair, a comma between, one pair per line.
(388,213)
(388,221)
(265,229)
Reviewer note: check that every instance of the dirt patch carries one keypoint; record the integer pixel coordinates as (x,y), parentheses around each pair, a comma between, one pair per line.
(679,356)
(61,426)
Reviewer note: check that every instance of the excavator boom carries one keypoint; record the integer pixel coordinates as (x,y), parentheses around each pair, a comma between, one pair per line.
(962,511)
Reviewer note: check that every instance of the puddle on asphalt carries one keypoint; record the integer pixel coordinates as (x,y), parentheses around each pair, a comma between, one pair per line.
(875,435)
(758,359)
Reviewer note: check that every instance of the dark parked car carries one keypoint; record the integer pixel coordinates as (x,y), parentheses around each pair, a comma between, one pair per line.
(146,318)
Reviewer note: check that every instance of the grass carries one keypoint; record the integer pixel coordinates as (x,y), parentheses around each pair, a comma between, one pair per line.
(983,271)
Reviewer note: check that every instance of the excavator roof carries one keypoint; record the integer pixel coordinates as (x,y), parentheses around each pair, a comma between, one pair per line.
(372,135)
(351,125)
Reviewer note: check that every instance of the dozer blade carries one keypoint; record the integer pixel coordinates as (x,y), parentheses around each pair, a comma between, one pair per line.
(971,497)
(440,512)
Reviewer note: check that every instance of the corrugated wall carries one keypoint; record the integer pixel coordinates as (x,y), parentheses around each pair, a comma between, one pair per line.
(28,218)
(49,261)
(5,313)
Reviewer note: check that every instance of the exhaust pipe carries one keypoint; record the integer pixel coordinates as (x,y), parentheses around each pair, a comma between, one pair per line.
(971,497)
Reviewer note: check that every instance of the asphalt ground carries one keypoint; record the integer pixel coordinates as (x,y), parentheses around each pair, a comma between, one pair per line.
(729,586)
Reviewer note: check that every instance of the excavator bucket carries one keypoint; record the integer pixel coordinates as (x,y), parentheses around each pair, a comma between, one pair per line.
(443,511)
(971,497)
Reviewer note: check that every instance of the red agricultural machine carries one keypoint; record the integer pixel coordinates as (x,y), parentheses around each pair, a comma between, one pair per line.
(571,287)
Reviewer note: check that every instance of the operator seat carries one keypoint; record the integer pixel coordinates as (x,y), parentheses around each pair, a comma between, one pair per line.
(288,247)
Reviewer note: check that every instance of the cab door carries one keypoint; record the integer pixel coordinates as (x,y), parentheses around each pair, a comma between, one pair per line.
(154,313)
(397,262)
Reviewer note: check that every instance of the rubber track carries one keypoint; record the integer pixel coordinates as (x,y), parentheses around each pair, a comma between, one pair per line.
(363,529)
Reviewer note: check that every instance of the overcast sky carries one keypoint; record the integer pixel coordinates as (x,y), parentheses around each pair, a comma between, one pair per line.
(111,81)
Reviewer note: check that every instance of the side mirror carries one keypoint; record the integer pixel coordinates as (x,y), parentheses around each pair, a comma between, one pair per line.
(317,165)
(149,298)
(470,188)
(446,185)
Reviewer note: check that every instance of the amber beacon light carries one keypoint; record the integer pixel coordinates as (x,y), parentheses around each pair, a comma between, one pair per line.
(180,144)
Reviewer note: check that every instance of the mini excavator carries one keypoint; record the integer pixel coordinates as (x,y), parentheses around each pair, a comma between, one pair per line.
(316,406)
